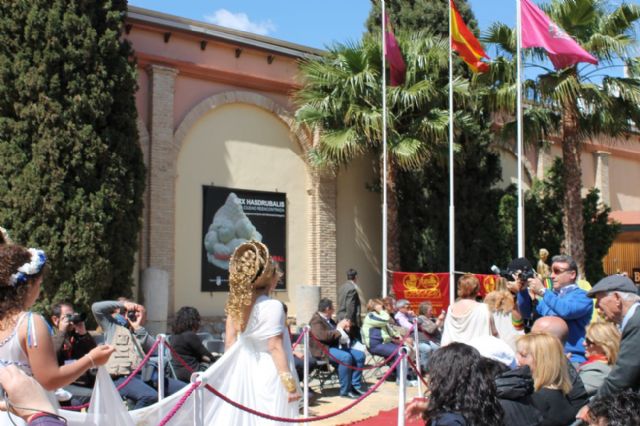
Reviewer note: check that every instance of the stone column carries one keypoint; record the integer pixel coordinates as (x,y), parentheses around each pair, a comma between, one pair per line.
(545,160)
(323,239)
(162,173)
(601,159)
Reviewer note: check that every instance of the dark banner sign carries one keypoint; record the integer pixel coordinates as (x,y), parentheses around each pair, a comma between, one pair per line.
(417,287)
(233,216)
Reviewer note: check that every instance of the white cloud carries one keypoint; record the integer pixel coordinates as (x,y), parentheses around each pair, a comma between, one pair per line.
(240,21)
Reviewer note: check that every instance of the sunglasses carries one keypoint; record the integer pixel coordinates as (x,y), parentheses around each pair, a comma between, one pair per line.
(559,271)
(589,341)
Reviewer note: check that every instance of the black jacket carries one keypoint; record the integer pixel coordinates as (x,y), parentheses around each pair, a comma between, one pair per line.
(514,389)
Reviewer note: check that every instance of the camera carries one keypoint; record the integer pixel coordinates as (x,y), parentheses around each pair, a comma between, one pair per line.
(76,318)
(521,274)
(131,315)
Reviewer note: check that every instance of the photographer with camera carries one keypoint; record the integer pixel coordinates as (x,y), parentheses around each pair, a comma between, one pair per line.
(122,322)
(71,341)
(564,299)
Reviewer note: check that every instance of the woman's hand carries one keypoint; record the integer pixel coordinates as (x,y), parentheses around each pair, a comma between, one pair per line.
(100,354)
(293,396)
(414,409)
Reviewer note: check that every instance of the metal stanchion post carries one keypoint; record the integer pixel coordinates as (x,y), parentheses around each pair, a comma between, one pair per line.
(161,367)
(402,389)
(305,382)
(416,345)
(198,403)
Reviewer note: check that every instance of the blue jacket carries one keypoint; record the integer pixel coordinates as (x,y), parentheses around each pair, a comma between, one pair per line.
(574,307)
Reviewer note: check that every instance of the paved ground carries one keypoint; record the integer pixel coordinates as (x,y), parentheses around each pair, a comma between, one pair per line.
(384,398)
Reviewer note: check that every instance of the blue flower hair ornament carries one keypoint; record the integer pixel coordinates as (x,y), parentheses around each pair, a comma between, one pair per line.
(33,267)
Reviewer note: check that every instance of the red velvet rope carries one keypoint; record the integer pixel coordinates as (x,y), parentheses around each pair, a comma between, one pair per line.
(415,368)
(297,342)
(128,379)
(179,405)
(285,419)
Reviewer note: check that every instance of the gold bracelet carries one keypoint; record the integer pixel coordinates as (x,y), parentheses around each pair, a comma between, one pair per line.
(287,381)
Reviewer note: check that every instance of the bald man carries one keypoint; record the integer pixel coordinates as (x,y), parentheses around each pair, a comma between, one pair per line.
(555,326)
(558,328)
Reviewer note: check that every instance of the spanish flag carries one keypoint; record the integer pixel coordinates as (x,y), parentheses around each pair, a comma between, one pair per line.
(464,42)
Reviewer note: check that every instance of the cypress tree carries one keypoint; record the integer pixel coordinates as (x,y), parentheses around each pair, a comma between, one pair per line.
(72,173)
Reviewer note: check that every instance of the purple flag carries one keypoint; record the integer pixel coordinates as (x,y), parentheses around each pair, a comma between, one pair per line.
(393,54)
(540,31)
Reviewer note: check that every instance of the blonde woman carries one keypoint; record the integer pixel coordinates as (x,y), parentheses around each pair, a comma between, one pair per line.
(601,343)
(504,313)
(544,355)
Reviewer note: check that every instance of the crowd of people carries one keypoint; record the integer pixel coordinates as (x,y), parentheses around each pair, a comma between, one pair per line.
(531,353)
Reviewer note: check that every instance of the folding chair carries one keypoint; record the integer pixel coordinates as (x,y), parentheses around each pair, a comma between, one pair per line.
(374,374)
(325,374)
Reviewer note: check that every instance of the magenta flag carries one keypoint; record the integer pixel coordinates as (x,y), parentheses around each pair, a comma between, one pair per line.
(393,54)
(540,31)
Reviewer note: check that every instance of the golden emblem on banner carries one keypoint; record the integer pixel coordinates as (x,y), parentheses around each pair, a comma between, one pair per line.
(421,285)
(489,283)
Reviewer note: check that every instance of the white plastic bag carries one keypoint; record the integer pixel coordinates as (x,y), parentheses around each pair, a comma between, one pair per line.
(106,407)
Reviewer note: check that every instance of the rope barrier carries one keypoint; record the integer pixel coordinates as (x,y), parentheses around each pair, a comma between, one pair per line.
(129,377)
(415,368)
(284,419)
(326,351)
(179,404)
(297,342)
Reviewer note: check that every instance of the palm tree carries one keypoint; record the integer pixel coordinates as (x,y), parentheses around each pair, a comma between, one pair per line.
(341,101)
(580,103)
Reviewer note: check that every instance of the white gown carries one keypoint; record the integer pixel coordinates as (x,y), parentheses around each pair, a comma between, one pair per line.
(245,374)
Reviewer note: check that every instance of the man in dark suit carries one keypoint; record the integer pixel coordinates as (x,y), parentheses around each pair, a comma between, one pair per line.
(335,337)
(618,299)
(349,306)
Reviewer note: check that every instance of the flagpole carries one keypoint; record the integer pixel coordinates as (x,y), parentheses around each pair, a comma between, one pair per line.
(384,156)
(452,210)
(519,127)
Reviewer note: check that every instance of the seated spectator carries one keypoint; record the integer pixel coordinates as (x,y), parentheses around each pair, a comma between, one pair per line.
(71,341)
(379,336)
(544,355)
(187,344)
(405,318)
(557,327)
(467,318)
(621,409)
(514,389)
(429,326)
(389,304)
(602,343)
(462,392)
(335,337)
(123,325)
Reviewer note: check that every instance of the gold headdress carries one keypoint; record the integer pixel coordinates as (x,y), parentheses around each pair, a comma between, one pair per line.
(250,268)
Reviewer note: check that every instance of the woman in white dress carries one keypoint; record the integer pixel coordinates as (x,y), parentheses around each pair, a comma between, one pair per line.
(467,318)
(257,368)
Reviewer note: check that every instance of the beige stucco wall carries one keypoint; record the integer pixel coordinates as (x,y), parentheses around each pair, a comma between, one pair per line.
(359,226)
(237,146)
(624,179)
(509,164)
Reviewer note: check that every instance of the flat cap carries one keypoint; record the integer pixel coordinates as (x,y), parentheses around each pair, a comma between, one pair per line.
(613,283)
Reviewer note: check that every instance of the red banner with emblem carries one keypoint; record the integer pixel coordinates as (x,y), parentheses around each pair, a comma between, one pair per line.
(417,287)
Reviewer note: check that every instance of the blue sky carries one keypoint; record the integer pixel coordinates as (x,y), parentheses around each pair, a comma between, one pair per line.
(311,23)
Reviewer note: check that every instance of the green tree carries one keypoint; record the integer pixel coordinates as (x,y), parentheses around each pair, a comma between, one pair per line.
(341,100)
(72,173)
(543,221)
(579,103)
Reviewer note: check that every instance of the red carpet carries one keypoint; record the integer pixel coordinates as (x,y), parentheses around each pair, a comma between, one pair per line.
(385,418)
